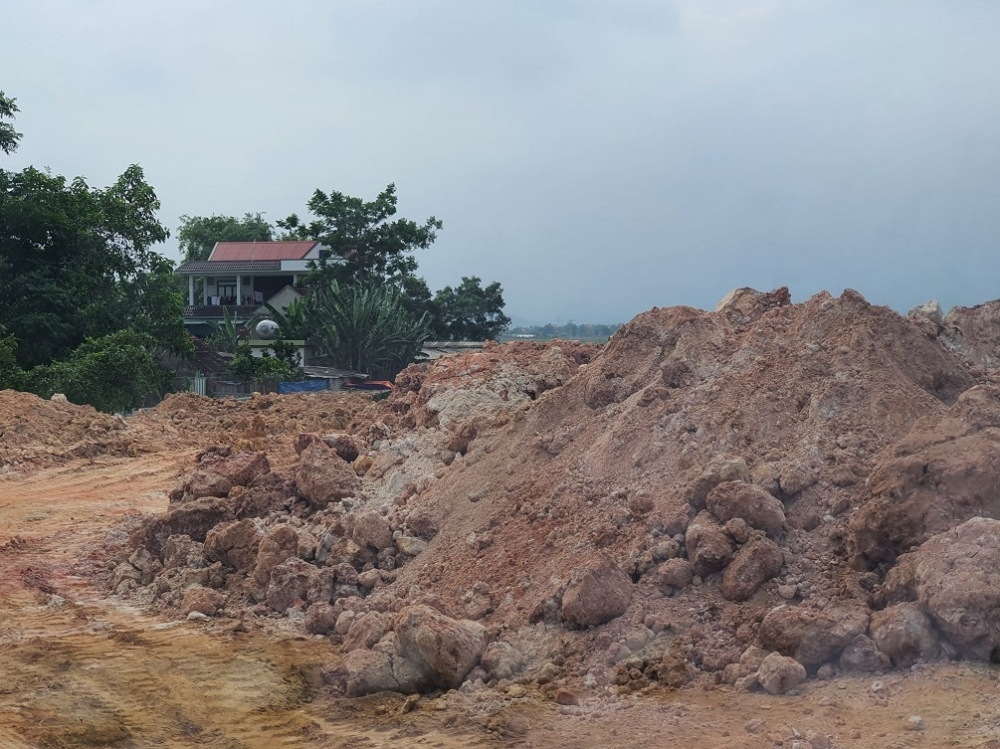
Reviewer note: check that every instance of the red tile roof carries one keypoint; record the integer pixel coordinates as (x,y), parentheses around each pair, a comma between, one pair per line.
(261,250)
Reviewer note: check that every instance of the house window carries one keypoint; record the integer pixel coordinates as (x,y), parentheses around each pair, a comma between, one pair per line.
(227,290)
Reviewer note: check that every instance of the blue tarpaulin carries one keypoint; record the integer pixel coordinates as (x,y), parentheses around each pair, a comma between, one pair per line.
(306,386)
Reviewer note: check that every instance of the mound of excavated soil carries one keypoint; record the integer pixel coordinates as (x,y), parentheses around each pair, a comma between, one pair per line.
(672,507)
(36,433)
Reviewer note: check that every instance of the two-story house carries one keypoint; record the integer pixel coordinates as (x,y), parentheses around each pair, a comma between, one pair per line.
(240,277)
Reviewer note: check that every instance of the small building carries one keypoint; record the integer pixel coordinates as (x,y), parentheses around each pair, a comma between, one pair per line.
(240,277)
(432,350)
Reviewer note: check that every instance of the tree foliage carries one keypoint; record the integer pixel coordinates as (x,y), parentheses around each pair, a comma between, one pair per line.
(76,261)
(293,322)
(8,135)
(363,235)
(469,312)
(365,327)
(247,367)
(111,373)
(84,298)
(198,235)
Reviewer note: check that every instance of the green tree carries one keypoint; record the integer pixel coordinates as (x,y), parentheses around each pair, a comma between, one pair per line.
(226,336)
(294,323)
(363,235)
(365,327)
(11,375)
(197,235)
(469,312)
(75,259)
(248,368)
(8,135)
(111,373)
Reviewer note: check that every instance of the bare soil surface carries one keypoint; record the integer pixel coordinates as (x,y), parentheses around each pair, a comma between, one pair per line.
(82,669)
(772,525)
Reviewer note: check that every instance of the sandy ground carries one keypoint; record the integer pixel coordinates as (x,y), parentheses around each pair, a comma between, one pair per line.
(80,669)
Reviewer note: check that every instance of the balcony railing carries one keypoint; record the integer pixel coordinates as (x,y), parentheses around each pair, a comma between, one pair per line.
(215,311)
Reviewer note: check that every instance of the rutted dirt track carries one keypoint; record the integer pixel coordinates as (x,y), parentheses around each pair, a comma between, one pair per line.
(80,670)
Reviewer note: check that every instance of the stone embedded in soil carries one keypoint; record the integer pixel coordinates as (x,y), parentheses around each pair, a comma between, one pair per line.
(234,544)
(218,471)
(323,476)
(675,573)
(942,473)
(708,545)
(738,499)
(426,650)
(812,636)
(289,581)
(320,619)
(372,530)
(905,634)
(195,519)
(410,545)
(863,655)
(754,564)
(953,577)
(182,551)
(778,673)
(598,592)
(720,470)
(279,543)
(203,600)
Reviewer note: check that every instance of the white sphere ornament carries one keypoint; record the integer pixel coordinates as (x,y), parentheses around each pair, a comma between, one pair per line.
(267,329)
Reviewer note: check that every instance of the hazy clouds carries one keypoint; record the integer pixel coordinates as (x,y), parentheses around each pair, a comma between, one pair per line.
(596,158)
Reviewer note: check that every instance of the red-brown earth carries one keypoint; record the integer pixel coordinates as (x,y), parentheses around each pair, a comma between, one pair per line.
(795,499)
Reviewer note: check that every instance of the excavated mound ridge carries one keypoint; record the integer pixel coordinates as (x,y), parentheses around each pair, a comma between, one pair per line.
(750,496)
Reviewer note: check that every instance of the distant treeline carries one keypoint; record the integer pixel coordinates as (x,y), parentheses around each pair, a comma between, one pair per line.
(571,330)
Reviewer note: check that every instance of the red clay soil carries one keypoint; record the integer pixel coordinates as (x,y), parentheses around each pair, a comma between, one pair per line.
(712,498)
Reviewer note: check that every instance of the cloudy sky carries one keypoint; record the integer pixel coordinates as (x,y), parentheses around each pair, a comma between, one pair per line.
(597,158)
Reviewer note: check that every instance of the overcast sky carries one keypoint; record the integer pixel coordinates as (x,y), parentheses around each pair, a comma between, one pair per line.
(597,158)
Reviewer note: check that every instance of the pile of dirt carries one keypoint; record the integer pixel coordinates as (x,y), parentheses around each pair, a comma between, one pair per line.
(37,433)
(707,490)
(259,422)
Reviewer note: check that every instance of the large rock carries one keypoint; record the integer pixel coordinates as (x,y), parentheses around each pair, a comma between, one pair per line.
(863,655)
(754,564)
(811,636)
(323,476)
(195,519)
(446,649)
(709,547)
(778,673)
(674,574)
(182,551)
(279,543)
(290,581)
(905,633)
(218,472)
(373,530)
(203,600)
(953,578)
(234,544)
(597,593)
(943,472)
(738,499)
(425,651)
(719,470)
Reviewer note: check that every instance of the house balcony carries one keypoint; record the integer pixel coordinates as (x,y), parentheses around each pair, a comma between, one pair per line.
(237,312)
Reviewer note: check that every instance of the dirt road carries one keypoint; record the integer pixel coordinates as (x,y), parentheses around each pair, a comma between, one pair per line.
(80,669)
